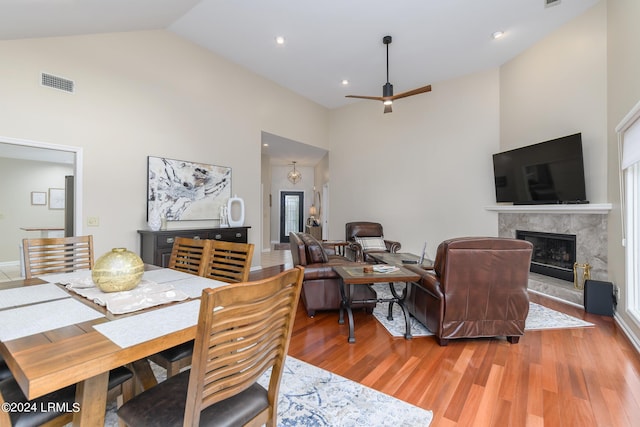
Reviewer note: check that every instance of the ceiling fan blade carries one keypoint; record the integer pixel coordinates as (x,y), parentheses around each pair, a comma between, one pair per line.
(412,92)
(375,98)
(387,109)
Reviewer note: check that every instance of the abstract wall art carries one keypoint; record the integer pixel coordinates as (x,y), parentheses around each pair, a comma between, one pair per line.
(179,190)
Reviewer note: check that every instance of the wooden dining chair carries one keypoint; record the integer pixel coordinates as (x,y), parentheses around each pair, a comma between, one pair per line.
(228,262)
(190,255)
(55,408)
(243,330)
(57,255)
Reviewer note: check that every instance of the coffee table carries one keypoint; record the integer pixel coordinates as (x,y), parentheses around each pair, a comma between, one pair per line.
(355,275)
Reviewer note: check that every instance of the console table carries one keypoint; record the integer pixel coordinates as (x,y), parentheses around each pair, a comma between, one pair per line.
(155,246)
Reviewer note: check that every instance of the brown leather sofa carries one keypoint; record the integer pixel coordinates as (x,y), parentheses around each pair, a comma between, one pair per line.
(321,284)
(364,229)
(477,288)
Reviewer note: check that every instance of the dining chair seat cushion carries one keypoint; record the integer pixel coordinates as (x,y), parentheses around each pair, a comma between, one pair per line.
(119,375)
(178,352)
(164,404)
(39,410)
(4,370)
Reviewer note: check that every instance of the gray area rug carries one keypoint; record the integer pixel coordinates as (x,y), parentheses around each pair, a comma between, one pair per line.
(539,317)
(310,396)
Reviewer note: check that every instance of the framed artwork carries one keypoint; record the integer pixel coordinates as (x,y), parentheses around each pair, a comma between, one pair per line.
(180,190)
(56,198)
(38,198)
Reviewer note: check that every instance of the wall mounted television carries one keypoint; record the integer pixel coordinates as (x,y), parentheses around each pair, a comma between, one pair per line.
(549,172)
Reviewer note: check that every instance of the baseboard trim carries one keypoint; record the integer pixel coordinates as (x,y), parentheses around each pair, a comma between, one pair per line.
(627,331)
(556,298)
(10,264)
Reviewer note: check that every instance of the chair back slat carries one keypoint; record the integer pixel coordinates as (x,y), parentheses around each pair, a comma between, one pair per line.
(57,255)
(189,255)
(229,261)
(243,330)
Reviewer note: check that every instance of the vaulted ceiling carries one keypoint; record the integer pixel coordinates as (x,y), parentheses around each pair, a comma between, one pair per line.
(325,42)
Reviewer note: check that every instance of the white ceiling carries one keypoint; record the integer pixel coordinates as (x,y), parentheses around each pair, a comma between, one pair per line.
(326,40)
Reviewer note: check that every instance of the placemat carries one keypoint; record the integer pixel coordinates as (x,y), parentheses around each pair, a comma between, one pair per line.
(32,319)
(194,285)
(164,275)
(139,328)
(65,277)
(30,294)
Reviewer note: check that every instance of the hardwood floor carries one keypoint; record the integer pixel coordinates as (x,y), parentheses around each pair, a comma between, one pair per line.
(566,377)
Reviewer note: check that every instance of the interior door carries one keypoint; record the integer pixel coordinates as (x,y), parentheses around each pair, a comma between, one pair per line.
(69,205)
(291,213)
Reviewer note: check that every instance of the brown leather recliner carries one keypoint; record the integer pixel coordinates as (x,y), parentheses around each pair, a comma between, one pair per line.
(321,284)
(477,288)
(367,230)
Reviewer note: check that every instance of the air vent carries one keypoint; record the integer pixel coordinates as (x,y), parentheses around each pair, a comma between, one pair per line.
(56,82)
(549,3)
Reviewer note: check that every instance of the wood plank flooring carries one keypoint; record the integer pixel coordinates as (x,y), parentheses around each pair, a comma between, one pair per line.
(567,377)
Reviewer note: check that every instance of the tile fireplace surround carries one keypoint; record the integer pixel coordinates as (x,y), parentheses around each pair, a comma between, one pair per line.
(587,222)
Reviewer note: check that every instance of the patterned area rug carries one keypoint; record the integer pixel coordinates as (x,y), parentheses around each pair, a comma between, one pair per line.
(539,317)
(310,396)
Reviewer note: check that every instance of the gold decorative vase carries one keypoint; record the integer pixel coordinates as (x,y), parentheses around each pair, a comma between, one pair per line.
(118,270)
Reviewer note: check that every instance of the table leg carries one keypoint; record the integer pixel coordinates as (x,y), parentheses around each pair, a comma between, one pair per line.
(91,396)
(400,300)
(145,378)
(345,304)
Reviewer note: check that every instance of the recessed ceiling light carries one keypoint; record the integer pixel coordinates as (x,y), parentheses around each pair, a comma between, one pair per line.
(497,34)
(280,40)
(345,82)
(265,145)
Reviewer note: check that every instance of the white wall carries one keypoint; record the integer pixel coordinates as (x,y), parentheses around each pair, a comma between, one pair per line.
(623,84)
(424,171)
(558,87)
(148,93)
(19,178)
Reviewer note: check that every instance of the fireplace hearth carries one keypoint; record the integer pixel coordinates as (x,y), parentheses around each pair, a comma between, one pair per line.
(553,254)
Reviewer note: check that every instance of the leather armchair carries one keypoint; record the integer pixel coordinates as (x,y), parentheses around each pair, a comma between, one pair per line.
(365,229)
(477,288)
(321,284)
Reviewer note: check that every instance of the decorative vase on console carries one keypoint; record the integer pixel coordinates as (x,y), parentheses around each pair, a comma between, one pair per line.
(223,217)
(235,211)
(155,220)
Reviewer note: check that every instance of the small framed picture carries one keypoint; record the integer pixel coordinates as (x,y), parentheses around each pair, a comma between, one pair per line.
(38,198)
(56,198)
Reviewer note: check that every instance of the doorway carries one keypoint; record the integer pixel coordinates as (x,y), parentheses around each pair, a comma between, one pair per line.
(59,159)
(291,213)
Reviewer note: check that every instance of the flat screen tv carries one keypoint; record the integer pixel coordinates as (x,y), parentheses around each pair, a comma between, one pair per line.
(549,172)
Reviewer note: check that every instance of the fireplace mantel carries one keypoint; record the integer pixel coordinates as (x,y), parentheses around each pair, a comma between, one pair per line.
(588,208)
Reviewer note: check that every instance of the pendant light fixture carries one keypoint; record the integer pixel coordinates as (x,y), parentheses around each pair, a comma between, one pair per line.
(294,176)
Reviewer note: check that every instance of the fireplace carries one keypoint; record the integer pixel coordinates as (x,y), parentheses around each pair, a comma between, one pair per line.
(553,254)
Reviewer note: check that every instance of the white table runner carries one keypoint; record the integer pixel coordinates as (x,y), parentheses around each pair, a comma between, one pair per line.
(23,295)
(133,330)
(32,319)
(146,294)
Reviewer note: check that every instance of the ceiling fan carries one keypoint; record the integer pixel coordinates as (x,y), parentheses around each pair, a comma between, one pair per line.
(388,97)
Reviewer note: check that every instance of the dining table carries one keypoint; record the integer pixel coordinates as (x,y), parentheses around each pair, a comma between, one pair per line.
(55,331)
